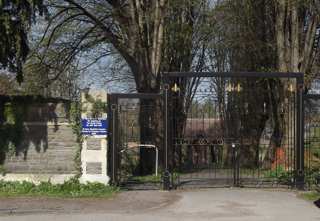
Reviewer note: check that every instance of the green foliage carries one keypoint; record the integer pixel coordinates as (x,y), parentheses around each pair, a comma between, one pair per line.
(283,176)
(311,196)
(129,163)
(312,147)
(75,119)
(72,188)
(203,109)
(311,177)
(98,107)
(15,22)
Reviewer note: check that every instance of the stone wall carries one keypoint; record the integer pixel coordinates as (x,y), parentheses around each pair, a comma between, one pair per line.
(48,143)
(46,148)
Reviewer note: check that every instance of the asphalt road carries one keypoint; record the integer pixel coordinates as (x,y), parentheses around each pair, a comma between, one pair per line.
(195,205)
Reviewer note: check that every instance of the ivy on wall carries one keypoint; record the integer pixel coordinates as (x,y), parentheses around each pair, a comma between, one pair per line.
(98,107)
(75,120)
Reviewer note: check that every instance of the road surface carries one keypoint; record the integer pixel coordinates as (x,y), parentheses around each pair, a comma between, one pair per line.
(193,205)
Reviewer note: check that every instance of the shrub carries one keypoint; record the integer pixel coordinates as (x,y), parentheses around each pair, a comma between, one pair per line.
(70,188)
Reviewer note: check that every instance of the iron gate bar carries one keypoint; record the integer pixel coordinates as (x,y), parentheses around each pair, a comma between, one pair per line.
(300,136)
(166,88)
(311,96)
(296,75)
(112,115)
(136,95)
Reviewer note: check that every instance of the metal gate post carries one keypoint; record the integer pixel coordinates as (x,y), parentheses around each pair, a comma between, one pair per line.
(236,166)
(166,175)
(113,107)
(112,138)
(234,163)
(299,176)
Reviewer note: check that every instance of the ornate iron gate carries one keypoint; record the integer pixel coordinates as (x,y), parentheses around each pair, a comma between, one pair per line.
(235,129)
(211,129)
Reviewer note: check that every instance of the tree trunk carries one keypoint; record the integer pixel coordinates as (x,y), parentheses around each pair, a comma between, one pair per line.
(177,125)
(151,127)
(295,34)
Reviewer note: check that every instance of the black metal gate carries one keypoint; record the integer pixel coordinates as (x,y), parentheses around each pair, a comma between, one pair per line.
(210,129)
(132,141)
(312,139)
(235,129)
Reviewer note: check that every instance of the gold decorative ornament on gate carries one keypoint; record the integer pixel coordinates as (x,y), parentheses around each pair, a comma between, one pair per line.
(175,88)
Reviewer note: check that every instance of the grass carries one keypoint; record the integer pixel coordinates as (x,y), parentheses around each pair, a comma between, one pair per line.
(148,178)
(70,189)
(311,196)
(151,178)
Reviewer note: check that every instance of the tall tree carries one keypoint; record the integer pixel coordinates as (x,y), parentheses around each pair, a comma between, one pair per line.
(15,21)
(297,33)
(149,35)
(134,28)
(297,36)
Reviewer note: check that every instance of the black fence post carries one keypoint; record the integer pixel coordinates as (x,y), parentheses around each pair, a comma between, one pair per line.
(236,164)
(300,176)
(166,175)
(112,138)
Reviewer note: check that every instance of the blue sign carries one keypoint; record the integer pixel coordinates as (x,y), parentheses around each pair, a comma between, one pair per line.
(94,126)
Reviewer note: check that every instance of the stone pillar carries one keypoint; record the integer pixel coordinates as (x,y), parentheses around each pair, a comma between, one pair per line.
(94,148)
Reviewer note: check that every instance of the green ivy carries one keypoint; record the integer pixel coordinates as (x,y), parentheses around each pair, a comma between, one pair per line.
(98,107)
(75,120)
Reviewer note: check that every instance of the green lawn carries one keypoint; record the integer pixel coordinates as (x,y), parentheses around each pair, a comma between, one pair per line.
(69,189)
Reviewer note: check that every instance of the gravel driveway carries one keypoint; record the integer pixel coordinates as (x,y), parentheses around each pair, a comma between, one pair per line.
(196,205)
